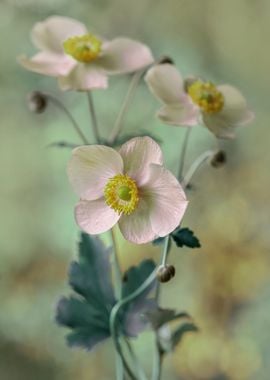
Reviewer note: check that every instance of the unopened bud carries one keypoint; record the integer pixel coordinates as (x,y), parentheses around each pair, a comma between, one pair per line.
(219,159)
(165,273)
(165,59)
(37,102)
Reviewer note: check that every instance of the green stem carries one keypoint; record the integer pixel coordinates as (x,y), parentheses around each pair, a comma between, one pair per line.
(157,368)
(127,100)
(183,153)
(139,369)
(61,106)
(116,267)
(163,261)
(195,166)
(93,117)
(114,313)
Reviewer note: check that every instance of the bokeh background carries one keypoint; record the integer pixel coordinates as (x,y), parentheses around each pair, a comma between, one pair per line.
(224,285)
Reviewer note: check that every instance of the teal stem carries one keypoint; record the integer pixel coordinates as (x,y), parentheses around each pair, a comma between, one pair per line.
(195,166)
(75,125)
(93,116)
(183,153)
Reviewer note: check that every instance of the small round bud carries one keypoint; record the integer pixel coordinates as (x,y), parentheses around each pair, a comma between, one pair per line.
(219,159)
(165,273)
(37,102)
(165,59)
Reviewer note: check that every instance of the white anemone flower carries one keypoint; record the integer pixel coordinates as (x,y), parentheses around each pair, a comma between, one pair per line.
(80,60)
(130,187)
(193,101)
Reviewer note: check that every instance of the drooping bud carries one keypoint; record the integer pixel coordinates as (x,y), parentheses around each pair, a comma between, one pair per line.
(37,102)
(219,159)
(165,59)
(165,273)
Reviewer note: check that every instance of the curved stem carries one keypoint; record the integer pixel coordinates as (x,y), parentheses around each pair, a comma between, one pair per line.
(119,120)
(140,371)
(93,116)
(114,314)
(116,267)
(163,261)
(61,106)
(183,153)
(195,166)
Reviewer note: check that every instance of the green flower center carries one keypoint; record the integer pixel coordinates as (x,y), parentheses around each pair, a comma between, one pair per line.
(84,48)
(206,96)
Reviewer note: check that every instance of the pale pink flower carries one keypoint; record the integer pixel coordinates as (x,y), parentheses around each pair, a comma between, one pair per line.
(129,186)
(80,60)
(192,101)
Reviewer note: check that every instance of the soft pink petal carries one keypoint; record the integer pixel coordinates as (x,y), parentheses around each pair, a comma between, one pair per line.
(235,110)
(166,83)
(182,114)
(90,167)
(123,55)
(84,77)
(136,227)
(234,113)
(95,217)
(167,200)
(47,63)
(138,153)
(52,32)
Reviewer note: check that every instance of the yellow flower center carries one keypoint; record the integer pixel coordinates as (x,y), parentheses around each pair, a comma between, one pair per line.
(121,194)
(84,48)
(207,96)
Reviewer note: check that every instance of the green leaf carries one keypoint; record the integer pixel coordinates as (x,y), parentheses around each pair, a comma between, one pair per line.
(160,317)
(87,314)
(185,237)
(135,276)
(180,331)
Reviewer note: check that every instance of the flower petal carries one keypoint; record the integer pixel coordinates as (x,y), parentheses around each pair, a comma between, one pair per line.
(166,83)
(90,167)
(123,55)
(138,153)
(47,63)
(52,32)
(234,113)
(95,217)
(83,78)
(184,114)
(136,227)
(167,200)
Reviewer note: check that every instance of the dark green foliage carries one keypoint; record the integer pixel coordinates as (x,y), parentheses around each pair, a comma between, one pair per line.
(185,237)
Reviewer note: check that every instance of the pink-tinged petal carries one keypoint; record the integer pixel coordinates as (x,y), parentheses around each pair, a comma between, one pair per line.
(90,167)
(123,55)
(95,217)
(138,153)
(136,227)
(84,78)
(47,63)
(167,200)
(184,114)
(52,32)
(166,83)
(235,111)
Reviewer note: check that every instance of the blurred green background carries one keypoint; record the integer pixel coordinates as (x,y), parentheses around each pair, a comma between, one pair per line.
(225,285)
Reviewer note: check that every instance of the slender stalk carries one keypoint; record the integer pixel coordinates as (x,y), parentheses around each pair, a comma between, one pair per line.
(61,106)
(139,369)
(183,153)
(127,100)
(114,314)
(156,375)
(116,267)
(195,166)
(163,261)
(93,116)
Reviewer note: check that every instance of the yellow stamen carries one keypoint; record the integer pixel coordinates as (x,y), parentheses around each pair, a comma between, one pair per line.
(121,194)
(84,48)
(207,96)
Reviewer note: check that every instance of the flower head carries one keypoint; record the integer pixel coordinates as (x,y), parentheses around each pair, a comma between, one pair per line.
(79,59)
(193,101)
(129,186)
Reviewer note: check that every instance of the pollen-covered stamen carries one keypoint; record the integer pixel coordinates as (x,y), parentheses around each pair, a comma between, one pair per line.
(121,194)
(84,48)
(206,96)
